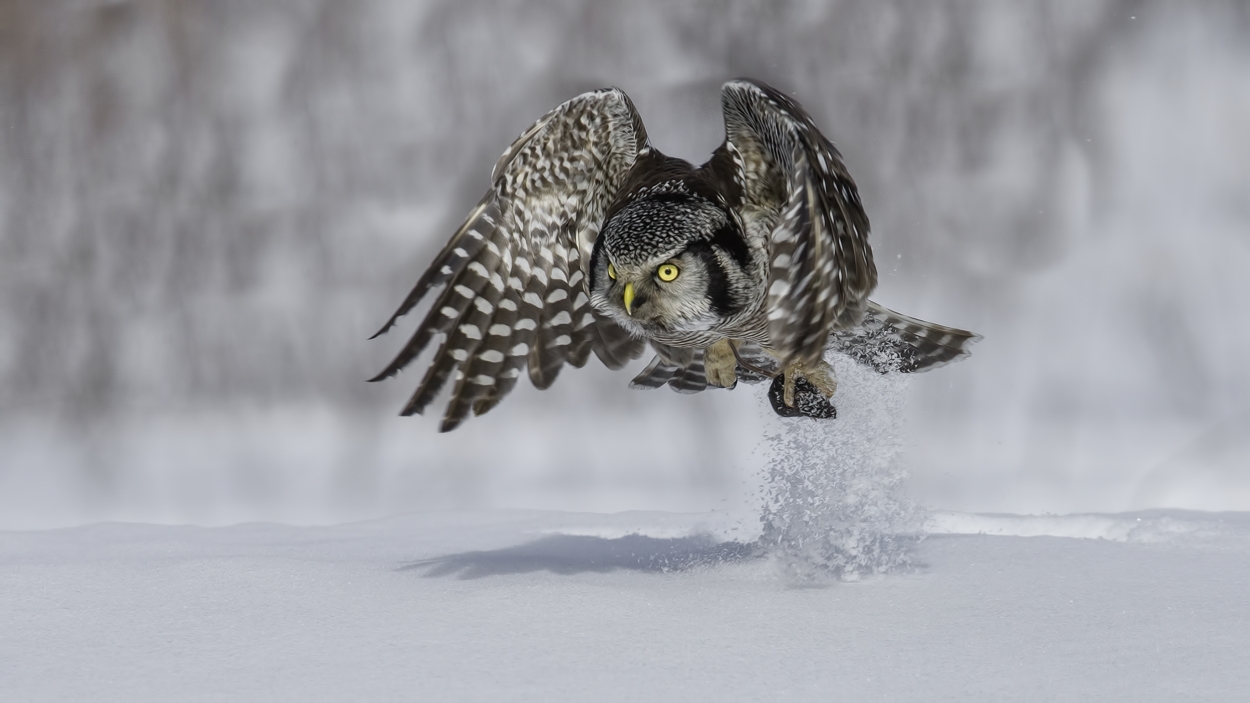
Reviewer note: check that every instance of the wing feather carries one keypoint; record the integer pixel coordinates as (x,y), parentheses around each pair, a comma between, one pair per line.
(657,373)
(585,328)
(550,349)
(512,273)
(462,284)
(515,346)
(821,268)
(476,345)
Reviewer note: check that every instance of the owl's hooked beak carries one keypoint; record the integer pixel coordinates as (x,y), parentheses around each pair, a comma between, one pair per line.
(629,299)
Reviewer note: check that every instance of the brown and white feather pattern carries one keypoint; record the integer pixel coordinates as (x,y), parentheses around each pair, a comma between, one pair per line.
(680,368)
(821,268)
(513,285)
(510,289)
(891,341)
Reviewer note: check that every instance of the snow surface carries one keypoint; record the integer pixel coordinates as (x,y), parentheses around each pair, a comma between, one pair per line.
(517,605)
(833,585)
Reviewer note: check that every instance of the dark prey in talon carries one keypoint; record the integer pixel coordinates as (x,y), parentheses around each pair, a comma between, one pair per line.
(592,241)
(808,401)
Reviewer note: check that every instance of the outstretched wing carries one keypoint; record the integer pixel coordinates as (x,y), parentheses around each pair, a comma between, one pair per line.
(821,268)
(513,285)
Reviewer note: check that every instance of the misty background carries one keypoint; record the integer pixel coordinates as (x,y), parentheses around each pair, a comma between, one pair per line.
(207,207)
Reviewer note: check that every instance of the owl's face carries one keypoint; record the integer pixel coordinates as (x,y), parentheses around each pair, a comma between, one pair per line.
(663,265)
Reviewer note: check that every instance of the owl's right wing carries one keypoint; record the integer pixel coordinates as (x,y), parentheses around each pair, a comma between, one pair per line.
(820,263)
(513,286)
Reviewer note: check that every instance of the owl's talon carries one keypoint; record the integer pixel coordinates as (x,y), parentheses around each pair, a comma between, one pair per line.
(807,400)
(803,390)
(820,375)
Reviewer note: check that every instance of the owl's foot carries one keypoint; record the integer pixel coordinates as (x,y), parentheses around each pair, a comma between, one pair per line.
(804,390)
(819,375)
(720,364)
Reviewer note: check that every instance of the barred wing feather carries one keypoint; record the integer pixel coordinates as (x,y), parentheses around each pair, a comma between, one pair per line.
(821,268)
(511,284)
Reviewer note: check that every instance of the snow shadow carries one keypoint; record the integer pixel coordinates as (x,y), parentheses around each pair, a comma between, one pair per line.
(575,554)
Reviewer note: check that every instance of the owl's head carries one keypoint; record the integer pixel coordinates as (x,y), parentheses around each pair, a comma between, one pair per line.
(666,263)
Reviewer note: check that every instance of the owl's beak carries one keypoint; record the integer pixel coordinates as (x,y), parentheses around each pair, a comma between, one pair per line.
(629,299)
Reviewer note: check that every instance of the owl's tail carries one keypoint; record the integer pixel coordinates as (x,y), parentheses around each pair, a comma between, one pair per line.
(684,376)
(890,341)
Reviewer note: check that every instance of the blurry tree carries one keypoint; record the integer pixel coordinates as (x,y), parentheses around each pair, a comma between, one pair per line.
(204,201)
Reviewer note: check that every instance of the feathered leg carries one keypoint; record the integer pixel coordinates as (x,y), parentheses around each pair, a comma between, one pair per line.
(720,364)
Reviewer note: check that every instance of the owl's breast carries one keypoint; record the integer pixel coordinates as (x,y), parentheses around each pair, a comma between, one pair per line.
(749,325)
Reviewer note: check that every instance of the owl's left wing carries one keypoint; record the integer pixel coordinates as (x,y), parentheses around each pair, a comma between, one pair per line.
(821,268)
(513,291)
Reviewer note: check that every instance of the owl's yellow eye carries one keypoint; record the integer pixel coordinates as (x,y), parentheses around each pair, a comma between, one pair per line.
(667,272)
(611,271)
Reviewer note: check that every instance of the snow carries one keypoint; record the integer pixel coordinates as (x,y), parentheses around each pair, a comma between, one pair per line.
(829,583)
(535,605)
(187,284)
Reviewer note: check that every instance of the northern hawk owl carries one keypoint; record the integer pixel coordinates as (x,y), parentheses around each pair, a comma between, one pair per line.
(590,240)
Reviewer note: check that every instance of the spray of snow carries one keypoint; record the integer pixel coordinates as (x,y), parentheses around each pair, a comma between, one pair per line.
(834,499)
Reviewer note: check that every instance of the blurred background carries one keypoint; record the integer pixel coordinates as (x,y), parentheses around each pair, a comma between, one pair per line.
(206,207)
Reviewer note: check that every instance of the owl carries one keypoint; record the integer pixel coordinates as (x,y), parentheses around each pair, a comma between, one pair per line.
(590,241)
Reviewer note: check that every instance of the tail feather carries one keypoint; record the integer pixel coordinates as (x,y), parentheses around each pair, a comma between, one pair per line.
(657,373)
(684,374)
(891,341)
(690,379)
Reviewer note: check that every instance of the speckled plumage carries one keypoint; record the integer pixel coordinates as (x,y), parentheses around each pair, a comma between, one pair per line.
(769,238)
